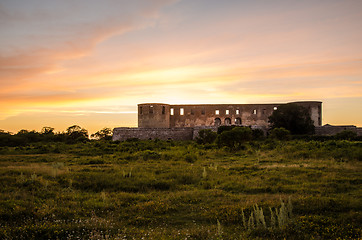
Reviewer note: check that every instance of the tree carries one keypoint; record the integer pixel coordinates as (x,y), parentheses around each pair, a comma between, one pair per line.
(47,130)
(292,117)
(75,133)
(234,138)
(206,136)
(104,134)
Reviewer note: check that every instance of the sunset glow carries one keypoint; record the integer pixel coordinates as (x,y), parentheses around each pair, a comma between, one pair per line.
(91,62)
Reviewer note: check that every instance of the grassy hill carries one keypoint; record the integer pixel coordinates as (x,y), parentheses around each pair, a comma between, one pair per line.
(180,190)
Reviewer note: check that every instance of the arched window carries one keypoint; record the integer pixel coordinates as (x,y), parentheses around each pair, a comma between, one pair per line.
(237,121)
(227,121)
(217,121)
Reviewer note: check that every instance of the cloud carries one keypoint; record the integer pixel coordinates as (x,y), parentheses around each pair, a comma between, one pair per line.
(333,78)
(40,35)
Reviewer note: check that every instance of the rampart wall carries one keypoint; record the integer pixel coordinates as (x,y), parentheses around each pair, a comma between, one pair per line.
(124,133)
(330,130)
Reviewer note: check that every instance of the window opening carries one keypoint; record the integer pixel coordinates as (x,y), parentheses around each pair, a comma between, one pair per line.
(254,111)
(227,121)
(171,111)
(141,110)
(217,112)
(227,112)
(151,109)
(275,108)
(163,109)
(237,111)
(217,121)
(181,111)
(238,121)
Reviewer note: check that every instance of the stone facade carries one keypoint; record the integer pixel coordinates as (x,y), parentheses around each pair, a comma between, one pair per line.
(330,130)
(159,115)
(124,133)
(183,122)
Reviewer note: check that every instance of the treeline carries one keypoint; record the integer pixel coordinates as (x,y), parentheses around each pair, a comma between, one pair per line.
(73,134)
(234,137)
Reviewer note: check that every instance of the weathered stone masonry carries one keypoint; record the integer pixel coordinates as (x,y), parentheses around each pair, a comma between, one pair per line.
(182,122)
(158,115)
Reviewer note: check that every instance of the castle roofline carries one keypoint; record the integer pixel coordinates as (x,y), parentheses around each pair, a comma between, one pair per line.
(228,104)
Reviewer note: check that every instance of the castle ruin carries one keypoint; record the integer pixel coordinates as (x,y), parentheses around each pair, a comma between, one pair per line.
(182,122)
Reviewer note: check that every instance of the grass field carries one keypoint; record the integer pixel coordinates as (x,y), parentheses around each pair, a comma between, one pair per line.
(180,190)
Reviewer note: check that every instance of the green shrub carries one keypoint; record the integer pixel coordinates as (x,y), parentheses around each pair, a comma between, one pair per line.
(190,158)
(346,135)
(222,129)
(206,136)
(258,134)
(234,138)
(148,154)
(280,134)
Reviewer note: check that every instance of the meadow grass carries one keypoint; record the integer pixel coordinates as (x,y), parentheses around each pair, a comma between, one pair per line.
(180,190)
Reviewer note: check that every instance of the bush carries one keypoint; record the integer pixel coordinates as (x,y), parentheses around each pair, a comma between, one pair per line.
(280,134)
(206,136)
(346,135)
(224,128)
(258,134)
(234,138)
(147,155)
(190,158)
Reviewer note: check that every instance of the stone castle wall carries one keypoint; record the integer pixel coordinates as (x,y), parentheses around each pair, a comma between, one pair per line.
(161,115)
(330,130)
(183,122)
(124,133)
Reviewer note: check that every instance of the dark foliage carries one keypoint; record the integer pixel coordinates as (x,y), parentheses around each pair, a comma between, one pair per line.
(206,136)
(292,117)
(72,135)
(280,134)
(104,134)
(258,134)
(224,128)
(76,134)
(233,139)
(346,135)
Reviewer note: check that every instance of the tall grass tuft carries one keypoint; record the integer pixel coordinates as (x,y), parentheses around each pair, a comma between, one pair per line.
(219,229)
(244,220)
(251,224)
(103,196)
(272,218)
(204,173)
(259,216)
(56,166)
(282,215)
(33,177)
(279,218)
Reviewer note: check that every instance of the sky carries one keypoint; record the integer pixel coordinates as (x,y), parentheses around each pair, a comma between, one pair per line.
(90,62)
